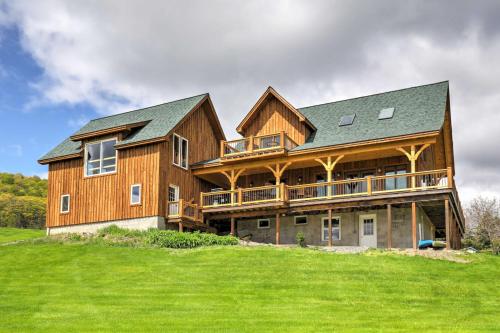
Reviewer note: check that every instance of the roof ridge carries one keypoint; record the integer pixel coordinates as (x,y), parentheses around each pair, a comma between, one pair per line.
(375,94)
(149,107)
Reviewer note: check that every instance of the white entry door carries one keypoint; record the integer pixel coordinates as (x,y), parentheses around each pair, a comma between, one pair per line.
(368,230)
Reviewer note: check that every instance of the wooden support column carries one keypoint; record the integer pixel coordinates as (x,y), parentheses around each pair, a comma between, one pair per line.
(278,171)
(278,222)
(414,224)
(330,236)
(447,222)
(389,226)
(232,177)
(329,165)
(412,156)
(181,227)
(232,227)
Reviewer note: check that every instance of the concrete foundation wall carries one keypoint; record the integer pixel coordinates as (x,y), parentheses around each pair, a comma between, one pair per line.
(144,223)
(349,228)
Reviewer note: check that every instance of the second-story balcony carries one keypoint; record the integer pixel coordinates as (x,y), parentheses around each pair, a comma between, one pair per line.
(253,146)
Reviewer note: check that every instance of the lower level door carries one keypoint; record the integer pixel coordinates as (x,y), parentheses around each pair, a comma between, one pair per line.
(368,230)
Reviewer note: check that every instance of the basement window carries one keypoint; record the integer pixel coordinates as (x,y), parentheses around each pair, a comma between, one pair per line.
(347,120)
(263,224)
(300,220)
(386,113)
(180,151)
(100,157)
(65,203)
(335,228)
(135,194)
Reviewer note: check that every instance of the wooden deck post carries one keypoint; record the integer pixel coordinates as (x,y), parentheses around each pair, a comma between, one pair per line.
(449,173)
(232,227)
(181,208)
(278,228)
(250,144)
(413,157)
(447,222)
(414,224)
(389,226)
(330,236)
(329,165)
(222,148)
(181,227)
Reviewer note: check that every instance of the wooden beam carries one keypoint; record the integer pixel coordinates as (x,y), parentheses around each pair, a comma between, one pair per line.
(232,226)
(278,222)
(181,227)
(414,224)
(389,226)
(330,236)
(447,222)
(309,155)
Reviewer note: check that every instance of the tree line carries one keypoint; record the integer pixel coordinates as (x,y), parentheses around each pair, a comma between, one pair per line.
(22,201)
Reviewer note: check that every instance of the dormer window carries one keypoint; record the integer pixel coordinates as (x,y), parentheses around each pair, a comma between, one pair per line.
(180,151)
(100,157)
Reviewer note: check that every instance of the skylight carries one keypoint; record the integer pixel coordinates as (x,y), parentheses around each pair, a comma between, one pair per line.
(387,113)
(347,120)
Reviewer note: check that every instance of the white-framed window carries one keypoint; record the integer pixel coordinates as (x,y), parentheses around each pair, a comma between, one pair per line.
(65,203)
(135,194)
(336,228)
(300,220)
(180,151)
(100,157)
(263,224)
(173,199)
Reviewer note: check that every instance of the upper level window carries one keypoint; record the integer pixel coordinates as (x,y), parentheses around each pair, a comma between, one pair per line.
(180,151)
(100,157)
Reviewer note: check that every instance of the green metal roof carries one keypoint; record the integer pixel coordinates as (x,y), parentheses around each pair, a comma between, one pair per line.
(161,120)
(416,110)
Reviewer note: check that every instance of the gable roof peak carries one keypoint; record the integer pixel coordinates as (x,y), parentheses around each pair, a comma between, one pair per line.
(271,91)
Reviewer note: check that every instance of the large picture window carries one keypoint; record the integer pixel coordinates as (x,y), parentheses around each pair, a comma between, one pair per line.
(335,229)
(180,151)
(100,157)
(399,181)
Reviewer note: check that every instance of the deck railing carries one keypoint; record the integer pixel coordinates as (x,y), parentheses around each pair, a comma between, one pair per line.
(183,209)
(256,144)
(370,185)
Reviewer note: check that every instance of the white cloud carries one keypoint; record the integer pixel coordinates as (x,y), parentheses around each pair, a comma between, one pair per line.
(118,55)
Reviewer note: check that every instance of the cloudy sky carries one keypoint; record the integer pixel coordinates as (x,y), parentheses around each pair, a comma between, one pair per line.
(65,62)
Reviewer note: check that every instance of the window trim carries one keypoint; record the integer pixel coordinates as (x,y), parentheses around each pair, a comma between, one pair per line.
(297,216)
(268,225)
(86,175)
(61,204)
(180,140)
(177,192)
(132,195)
(338,217)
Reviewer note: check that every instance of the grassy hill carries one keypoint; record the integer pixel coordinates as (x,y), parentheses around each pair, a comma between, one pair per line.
(22,201)
(58,287)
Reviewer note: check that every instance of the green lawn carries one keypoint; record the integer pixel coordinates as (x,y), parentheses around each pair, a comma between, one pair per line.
(50,287)
(13,234)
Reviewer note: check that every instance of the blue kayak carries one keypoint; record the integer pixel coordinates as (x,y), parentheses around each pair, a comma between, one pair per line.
(424,244)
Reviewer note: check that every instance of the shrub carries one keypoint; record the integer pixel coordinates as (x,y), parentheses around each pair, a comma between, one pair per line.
(300,239)
(184,240)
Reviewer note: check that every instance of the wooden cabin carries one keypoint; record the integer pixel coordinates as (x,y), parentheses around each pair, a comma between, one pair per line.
(373,171)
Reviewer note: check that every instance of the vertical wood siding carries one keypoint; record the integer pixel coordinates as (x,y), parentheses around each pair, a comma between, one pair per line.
(203,145)
(272,117)
(105,197)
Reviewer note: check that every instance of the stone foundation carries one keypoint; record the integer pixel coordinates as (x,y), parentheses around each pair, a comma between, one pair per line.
(144,223)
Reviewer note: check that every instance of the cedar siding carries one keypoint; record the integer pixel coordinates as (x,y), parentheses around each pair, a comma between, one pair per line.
(105,197)
(273,117)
